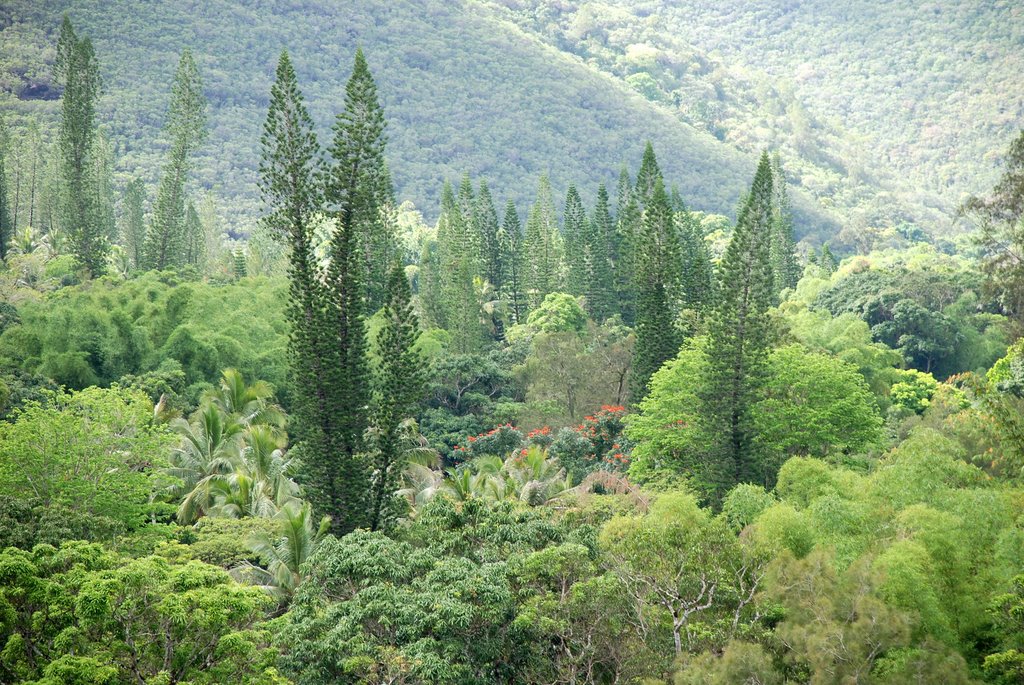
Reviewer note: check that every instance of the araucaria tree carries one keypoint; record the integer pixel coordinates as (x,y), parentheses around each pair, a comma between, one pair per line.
(398,387)
(353,193)
(133,222)
(657,290)
(543,247)
(6,226)
(739,336)
(487,224)
(510,241)
(290,171)
(785,269)
(574,228)
(186,128)
(77,69)
(459,306)
(600,278)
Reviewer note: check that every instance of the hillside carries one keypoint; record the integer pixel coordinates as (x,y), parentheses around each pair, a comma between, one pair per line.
(890,111)
(462,89)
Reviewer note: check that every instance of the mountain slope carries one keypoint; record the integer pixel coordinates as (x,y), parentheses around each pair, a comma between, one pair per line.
(463,91)
(890,111)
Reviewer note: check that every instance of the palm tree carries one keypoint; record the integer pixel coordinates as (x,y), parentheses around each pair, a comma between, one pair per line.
(538,478)
(248,404)
(210,449)
(282,556)
(261,484)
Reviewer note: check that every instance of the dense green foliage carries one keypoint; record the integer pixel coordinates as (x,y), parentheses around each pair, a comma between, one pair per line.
(626,441)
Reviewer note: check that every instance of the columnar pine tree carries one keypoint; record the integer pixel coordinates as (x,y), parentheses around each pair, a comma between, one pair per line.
(785,269)
(133,221)
(828,261)
(647,177)
(103,176)
(290,173)
(379,237)
(657,290)
(77,70)
(459,305)
(600,281)
(473,236)
(354,189)
(627,229)
(697,272)
(186,128)
(574,228)
(487,225)
(195,239)
(543,247)
(6,226)
(398,388)
(739,339)
(512,258)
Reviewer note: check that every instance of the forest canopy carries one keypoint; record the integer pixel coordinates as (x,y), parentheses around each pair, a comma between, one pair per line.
(560,421)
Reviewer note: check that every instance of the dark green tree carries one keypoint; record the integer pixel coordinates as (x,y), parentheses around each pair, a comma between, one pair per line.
(600,277)
(355,185)
(77,69)
(488,228)
(785,269)
(133,221)
(543,262)
(195,238)
(697,271)
(399,387)
(623,249)
(647,177)
(473,235)
(828,261)
(739,336)
(574,230)
(290,173)
(657,291)
(459,307)
(511,246)
(186,127)
(6,226)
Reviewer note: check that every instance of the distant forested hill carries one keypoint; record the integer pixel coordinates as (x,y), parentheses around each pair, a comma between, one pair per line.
(885,110)
(463,91)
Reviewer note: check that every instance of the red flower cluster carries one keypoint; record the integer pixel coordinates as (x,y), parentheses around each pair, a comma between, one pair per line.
(546,430)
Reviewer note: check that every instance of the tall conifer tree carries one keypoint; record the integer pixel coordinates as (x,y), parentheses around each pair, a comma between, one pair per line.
(186,127)
(512,257)
(6,225)
(697,272)
(77,69)
(739,338)
(356,184)
(600,286)
(398,388)
(487,225)
(785,269)
(627,229)
(647,177)
(543,262)
(290,172)
(575,229)
(133,226)
(459,306)
(657,290)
